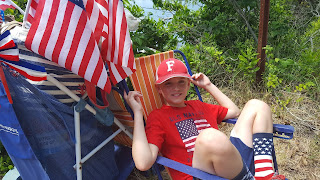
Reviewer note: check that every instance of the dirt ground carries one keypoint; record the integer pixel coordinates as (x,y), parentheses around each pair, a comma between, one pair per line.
(298,158)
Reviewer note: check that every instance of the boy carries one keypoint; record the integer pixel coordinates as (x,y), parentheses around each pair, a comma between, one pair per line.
(187,131)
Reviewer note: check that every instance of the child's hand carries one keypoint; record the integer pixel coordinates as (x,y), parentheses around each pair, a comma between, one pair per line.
(133,100)
(200,80)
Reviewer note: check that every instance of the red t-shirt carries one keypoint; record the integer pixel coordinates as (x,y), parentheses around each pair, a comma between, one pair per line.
(175,129)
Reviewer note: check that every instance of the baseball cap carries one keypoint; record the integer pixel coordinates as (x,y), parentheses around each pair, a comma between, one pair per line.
(170,68)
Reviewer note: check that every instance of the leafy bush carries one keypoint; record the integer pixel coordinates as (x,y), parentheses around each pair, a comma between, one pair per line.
(5,161)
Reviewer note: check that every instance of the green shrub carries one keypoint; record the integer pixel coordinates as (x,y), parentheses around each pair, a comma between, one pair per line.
(5,161)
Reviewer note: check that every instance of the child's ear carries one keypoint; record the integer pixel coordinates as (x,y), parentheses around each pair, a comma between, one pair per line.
(158,88)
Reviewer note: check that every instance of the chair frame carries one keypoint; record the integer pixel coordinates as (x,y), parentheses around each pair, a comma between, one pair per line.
(77,109)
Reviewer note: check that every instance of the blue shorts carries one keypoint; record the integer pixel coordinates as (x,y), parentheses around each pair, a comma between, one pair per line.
(245,151)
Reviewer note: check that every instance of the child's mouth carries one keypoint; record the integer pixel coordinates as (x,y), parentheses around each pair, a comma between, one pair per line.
(176,94)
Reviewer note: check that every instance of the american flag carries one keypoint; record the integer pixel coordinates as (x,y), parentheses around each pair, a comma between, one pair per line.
(32,10)
(5,4)
(61,32)
(9,55)
(1,16)
(109,21)
(201,124)
(109,26)
(263,157)
(189,129)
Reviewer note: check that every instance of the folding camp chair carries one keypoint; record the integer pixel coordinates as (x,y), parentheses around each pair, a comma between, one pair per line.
(35,60)
(143,80)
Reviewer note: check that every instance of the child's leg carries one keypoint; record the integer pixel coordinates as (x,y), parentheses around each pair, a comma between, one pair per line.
(254,128)
(215,154)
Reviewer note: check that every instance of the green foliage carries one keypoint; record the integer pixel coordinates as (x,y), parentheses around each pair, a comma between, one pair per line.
(283,103)
(16,13)
(136,10)
(152,35)
(304,87)
(248,64)
(204,57)
(5,161)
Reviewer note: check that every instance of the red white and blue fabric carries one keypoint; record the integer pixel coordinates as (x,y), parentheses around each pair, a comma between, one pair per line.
(32,10)
(263,157)
(109,26)
(9,54)
(1,16)
(116,47)
(5,4)
(189,130)
(72,81)
(61,32)
(188,133)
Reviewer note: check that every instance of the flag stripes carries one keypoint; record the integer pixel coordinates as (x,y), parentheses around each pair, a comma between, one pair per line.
(188,133)
(72,81)
(190,143)
(8,49)
(116,46)
(30,71)
(61,32)
(4,4)
(32,10)
(202,124)
(109,26)
(9,55)
(262,146)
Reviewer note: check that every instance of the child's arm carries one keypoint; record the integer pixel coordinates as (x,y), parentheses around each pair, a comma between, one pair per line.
(143,153)
(201,80)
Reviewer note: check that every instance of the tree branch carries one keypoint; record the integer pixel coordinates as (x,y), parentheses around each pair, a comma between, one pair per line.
(236,7)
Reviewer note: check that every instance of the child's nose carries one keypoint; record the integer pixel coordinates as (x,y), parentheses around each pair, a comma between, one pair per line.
(176,87)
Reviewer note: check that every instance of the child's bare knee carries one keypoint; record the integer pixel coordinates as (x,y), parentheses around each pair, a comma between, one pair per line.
(258,104)
(212,140)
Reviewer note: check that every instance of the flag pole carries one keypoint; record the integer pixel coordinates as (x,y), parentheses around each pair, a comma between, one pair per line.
(25,15)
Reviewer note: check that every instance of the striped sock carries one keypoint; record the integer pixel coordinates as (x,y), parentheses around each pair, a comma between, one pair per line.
(262,146)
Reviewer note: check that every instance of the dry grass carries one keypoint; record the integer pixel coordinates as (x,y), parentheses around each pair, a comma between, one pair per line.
(298,158)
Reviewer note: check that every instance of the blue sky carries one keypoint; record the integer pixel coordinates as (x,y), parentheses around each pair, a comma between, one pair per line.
(147,6)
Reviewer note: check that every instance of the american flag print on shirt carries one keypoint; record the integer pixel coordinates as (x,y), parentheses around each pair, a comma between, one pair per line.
(189,130)
(263,157)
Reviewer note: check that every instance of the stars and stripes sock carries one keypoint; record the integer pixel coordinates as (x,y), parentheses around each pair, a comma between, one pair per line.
(263,146)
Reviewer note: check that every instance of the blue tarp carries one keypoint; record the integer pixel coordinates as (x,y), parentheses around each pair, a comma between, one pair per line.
(38,133)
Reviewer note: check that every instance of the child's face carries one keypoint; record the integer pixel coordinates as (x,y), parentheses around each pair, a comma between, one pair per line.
(174,91)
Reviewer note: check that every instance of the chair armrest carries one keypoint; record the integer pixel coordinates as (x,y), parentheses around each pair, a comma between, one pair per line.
(186,169)
(279,130)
